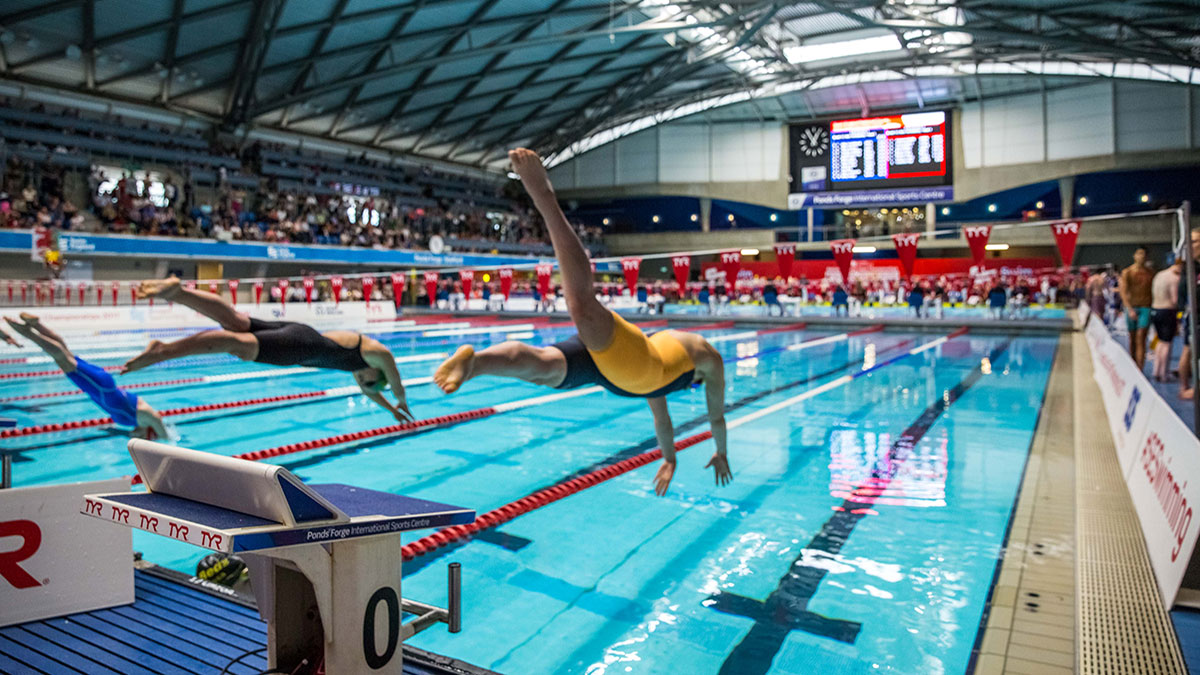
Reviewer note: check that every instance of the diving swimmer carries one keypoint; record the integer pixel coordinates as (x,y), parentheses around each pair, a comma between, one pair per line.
(126,409)
(607,350)
(278,343)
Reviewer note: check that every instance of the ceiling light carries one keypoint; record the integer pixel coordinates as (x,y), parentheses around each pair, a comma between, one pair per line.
(996,247)
(695,217)
(749,251)
(863,249)
(1145,198)
(842,49)
(991,208)
(1040,204)
(775,216)
(1082,201)
(945,210)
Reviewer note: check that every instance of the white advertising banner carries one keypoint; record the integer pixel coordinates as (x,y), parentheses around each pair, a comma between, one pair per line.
(1126,392)
(1165,485)
(55,560)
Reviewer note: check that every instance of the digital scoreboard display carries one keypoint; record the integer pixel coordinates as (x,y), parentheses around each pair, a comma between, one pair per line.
(889,151)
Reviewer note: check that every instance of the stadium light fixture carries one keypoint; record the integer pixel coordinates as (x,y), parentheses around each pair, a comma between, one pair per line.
(863,249)
(1082,201)
(880,44)
(749,251)
(996,247)
(1145,198)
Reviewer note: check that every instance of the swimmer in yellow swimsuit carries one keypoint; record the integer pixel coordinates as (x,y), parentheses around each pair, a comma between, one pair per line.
(607,350)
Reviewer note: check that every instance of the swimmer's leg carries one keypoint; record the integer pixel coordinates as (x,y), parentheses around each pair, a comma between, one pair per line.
(592,319)
(34,322)
(213,306)
(242,345)
(149,418)
(540,365)
(55,349)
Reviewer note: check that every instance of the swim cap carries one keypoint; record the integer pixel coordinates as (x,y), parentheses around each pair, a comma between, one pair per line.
(220,568)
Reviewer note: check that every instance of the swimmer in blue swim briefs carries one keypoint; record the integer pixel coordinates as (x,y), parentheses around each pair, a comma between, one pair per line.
(126,409)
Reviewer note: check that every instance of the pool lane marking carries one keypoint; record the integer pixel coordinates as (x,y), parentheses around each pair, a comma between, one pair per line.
(755,333)
(786,608)
(564,488)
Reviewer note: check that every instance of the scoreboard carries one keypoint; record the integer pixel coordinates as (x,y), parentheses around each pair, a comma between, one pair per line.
(899,150)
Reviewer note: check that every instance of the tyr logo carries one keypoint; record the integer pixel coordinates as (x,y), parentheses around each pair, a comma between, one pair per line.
(977,231)
(178,531)
(120,514)
(209,539)
(731,257)
(93,508)
(1066,228)
(785,249)
(907,239)
(843,247)
(31,540)
(631,264)
(149,523)
(681,261)
(1131,409)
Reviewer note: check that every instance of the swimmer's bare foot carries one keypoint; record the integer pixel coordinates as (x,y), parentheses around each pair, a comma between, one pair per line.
(154,354)
(1187,394)
(455,370)
(24,329)
(31,319)
(159,288)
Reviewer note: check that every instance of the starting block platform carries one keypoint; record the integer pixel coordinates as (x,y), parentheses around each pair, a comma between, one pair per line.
(324,560)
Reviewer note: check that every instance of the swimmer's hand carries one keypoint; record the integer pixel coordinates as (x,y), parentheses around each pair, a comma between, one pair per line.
(720,466)
(533,174)
(402,414)
(662,479)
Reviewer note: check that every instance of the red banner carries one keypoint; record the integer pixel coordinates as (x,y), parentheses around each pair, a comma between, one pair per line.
(843,253)
(397,288)
(785,254)
(467,276)
(335,284)
(1065,235)
(506,279)
(25,292)
(977,238)
(190,285)
(233,286)
(731,263)
(82,289)
(258,289)
(116,290)
(431,284)
(51,291)
(906,251)
(630,267)
(544,272)
(99,294)
(214,287)
(682,266)
(10,292)
(368,287)
(310,284)
(133,293)
(284,286)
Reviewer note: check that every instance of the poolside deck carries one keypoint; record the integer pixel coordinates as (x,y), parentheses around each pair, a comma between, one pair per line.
(171,629)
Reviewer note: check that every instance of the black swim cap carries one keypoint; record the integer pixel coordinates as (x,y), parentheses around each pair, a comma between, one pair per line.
(220,568)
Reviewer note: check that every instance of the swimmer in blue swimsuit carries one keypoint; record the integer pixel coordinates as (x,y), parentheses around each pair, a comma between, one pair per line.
(126,409)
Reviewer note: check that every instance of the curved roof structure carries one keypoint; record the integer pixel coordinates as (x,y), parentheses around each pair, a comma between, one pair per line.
(462,80)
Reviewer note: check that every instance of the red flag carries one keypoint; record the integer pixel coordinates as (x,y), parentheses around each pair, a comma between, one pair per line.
(506,278)
(1065,235)
(214,287)
(544,272)
(82,289)
(233,286)
(10,292)
(630,267)
(99,294)
(843,252)
(368,285)
(24,291)
(397,288)
(977,238)
(309,285)
(51,290)
(284,286)
(335,283)
(682,266)
(731,262)
(785,254)
(431,284)
(133,293)
(190,285)
(116,290)
(906,250)
(467,277)
(258,288)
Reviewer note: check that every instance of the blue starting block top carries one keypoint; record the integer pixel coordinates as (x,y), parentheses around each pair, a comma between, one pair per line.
(6,422)
(191,499)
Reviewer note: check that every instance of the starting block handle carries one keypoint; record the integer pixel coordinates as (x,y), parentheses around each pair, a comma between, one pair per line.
(454,597)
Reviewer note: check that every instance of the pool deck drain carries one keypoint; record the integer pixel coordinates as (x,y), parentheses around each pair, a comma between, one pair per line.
(1075,591)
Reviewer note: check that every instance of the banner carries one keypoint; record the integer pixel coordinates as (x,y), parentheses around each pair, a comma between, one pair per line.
(99,294)
(190,285)
(977,239)
(258,289)
(906,251)
(233,286)
(368,287)
(843,252)
(506,279)
(544,272)
(335,284)
(431,284)
(397,289)
(1065,235)
(284,286)
(50,289)
(310,284)
(25,292)
(41,242)
(467,276)
(731,264)
(630,267)
(10,292)
(682,266)
(82,288)
(214,287)
(785,254)
(1124,390)
(56,560)
(116,292)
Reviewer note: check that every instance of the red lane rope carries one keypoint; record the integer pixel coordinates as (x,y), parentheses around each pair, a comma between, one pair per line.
(784,329)
(74,392)
(710,326)
(537,500)
(47,373)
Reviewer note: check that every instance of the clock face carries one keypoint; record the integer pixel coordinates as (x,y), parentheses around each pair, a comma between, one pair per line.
(814,141)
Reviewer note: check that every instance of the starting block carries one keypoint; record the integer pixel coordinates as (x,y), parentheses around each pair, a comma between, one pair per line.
(6,457)
(324,560)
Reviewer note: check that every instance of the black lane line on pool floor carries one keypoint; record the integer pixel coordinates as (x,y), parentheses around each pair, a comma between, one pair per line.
(421,562)
(786,608)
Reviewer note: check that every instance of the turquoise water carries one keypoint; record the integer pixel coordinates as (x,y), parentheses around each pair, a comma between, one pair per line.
(616,580)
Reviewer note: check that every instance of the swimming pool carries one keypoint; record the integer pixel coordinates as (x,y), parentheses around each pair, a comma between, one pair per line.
(776,572)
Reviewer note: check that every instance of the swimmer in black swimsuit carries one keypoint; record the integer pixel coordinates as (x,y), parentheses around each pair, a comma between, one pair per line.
(279,343)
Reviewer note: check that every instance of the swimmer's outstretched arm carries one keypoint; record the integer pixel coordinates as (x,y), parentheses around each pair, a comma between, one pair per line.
(664,431)
(382,359)
(712,367)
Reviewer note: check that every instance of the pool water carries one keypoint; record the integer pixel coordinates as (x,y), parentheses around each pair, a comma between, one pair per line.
(778,572)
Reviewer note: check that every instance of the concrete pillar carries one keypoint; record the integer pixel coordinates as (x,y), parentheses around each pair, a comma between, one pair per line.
(705,214)
(810,223)
(1066,193)
(930,219)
